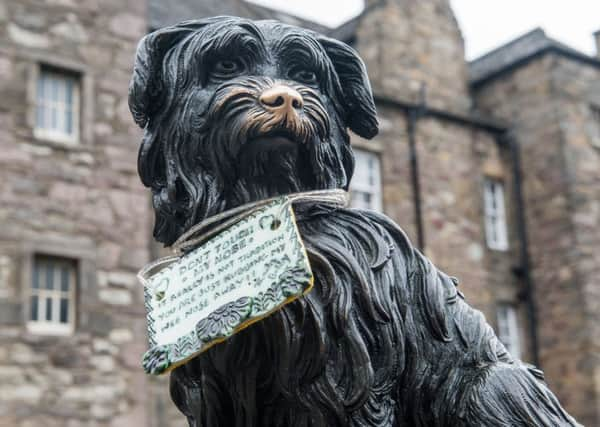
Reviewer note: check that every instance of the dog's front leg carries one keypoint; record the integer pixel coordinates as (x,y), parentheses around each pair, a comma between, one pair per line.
(512,394)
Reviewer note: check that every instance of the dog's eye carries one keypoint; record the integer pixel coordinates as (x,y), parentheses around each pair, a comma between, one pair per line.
(303,76)
(226,67)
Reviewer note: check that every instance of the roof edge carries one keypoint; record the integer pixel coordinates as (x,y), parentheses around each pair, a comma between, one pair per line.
(509,43)
(324,29)
(477,121)
(558,50)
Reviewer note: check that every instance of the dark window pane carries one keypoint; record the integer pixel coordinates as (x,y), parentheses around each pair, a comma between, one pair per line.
(40,88)
(53,118)
(68,122)
(64,310)
(39,117)
(64,279)
(47,88)
(49,276)
(34,308)
(35,284)
(55,85)
(69,93)
(49,309)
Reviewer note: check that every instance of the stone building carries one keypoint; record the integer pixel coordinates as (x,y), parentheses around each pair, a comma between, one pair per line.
(491,167)
(550,96)
(74,219)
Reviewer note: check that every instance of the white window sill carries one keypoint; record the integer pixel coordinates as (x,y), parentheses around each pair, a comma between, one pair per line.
(49,328)
(56,137)
(498,248)
(58,143)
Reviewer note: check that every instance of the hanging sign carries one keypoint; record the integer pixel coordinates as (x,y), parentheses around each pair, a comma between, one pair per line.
(237,277)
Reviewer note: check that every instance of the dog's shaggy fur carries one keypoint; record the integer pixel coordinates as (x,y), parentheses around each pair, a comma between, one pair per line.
(384,339)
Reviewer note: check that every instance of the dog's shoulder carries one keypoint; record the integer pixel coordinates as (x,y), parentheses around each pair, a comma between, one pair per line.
(350,224)
(371,238)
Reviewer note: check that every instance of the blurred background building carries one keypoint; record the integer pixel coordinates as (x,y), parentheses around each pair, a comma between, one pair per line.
(492,167)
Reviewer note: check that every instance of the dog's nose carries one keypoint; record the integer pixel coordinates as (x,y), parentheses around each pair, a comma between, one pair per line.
(281,98)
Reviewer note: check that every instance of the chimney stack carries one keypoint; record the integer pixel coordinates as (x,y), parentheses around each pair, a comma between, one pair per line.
(597,40)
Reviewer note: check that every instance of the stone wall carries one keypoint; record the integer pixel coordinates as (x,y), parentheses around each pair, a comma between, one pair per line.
(392,146)
(454,160)
(82,202)
(547,104)
(576,89)
(407,44)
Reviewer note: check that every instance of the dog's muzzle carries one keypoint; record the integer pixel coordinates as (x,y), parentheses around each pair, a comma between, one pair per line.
(284,105)
(281,100)
(269,110)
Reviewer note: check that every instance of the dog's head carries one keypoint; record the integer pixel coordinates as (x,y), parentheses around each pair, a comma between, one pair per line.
(235,110)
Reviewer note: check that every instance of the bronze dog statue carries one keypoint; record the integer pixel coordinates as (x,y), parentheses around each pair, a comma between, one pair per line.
(236,111)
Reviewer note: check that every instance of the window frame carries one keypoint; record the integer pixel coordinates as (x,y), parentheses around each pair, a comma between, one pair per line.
(87,100)
(42,326)
(64,74)
(595,112)
(377,195)
(85,254)
(509,333)
(595,125)
(494,214)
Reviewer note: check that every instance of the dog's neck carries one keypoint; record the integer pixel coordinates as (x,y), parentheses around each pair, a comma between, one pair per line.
(269,173)
(249,190)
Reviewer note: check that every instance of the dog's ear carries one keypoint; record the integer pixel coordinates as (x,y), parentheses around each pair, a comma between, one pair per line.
(356,89)
(146,85)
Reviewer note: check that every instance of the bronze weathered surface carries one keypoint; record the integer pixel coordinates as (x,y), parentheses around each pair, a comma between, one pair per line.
(236,111)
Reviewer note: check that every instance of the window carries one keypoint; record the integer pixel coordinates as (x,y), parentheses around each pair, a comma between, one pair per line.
(508,329)
(595,113)
(52,295)
(595,126)
(365,188)
(495,220)
(57,106)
